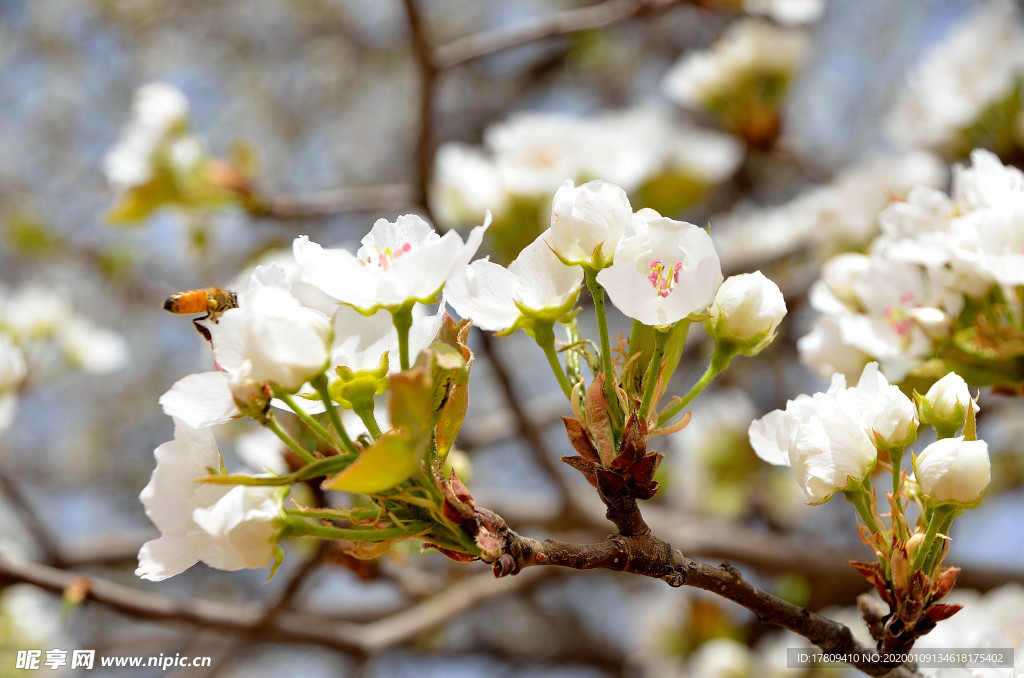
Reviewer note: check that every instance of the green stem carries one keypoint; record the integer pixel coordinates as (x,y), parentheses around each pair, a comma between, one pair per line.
(319,382)
(335,514)
(370,422)
(651,377)
(860,501)
(402,319)
(597,292)
(272,424)
(544,335)
(945,514)
(924,550)
(302,528)
(715,367)
(896,460)
(316,427)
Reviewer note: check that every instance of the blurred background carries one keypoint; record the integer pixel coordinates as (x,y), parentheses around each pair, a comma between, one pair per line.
(788,125)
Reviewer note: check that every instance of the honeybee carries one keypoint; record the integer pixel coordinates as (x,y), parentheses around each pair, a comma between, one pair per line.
(212,301)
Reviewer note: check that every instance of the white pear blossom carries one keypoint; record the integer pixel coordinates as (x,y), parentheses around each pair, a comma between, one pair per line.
(286,343)
(892,311)
(825,350)
(92,348)
(749,305)
(535,152)
(496,298)
(975,66)
(466,185)
(747,48)
(898,304)
(241,528)
(158,109)
(399,262)
(828,216)
(826,438)
(230,528)
(827,449)
(588,218)
(664,270)
(954,470)
(883,410)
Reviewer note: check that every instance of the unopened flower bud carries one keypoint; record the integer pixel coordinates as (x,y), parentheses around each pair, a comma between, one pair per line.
(945,404)
(588,220)
(747,309)
(953,471)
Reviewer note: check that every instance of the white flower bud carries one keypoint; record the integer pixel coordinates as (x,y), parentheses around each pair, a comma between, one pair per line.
(750,305)
(954,471)
(948,399)
(586,217)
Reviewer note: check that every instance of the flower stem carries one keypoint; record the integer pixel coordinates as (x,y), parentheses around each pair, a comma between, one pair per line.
(651,377)
(271,423)
(896,459)
(943,517)
(859,499)
(318,430)
(714,368)
(402,319)
(597,292)
(319,382)
(303,528)
(937,519)
(544,335)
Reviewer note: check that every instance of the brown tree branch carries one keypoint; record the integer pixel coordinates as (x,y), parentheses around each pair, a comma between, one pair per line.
(648,556)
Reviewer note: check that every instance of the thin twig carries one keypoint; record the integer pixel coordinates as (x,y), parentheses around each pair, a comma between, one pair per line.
(484,44)
(33,525)
(428,72)
(526,427)
(320,204)
(285,625)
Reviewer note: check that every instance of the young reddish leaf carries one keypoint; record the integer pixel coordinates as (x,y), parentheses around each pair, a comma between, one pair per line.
(579,439)
(409,402)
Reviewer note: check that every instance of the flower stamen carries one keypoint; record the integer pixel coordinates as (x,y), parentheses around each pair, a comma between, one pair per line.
(664,278)
(387,256)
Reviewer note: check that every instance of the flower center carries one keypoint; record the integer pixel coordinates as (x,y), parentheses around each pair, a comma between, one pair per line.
(387,256)
(898,318)
(664,278)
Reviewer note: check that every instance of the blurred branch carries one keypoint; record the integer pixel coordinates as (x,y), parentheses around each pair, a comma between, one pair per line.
(428,71)
(603,14)
(33,525)
(525,427)
(328,203)
(276,623)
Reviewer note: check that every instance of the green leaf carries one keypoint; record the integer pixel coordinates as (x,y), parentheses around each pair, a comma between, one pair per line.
(389,461)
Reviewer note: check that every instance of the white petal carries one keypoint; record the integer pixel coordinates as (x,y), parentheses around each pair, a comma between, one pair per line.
(200,400)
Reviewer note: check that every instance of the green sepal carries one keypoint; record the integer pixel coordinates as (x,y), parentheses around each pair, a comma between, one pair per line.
(355,389)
